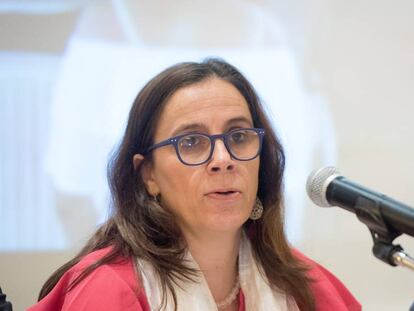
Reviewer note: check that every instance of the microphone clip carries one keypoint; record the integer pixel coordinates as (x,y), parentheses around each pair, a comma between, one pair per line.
(369,212)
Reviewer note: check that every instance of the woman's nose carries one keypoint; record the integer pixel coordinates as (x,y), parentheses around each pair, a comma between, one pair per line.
(221,160)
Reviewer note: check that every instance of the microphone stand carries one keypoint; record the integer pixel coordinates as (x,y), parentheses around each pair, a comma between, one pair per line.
(403,259)
(369,212)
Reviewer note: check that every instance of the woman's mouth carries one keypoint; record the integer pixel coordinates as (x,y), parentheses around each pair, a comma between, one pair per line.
(224,194)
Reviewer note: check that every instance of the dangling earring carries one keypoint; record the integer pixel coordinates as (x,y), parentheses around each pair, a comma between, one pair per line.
(257,210)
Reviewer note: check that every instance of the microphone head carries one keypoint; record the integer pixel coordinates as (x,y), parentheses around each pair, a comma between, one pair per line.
(318,182)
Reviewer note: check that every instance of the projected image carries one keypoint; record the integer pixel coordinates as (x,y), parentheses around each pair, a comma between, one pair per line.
(62,121)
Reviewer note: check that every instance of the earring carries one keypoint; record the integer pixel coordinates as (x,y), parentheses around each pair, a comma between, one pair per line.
(257,210)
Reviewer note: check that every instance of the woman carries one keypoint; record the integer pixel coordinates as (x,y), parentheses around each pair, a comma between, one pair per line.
(197,210)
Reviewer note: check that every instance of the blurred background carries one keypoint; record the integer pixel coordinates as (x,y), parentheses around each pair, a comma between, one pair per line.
(337,78)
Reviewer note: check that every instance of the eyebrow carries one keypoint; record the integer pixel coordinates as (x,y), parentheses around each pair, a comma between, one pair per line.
(201,126)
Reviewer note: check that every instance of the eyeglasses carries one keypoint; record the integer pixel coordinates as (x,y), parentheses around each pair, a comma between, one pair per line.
(243,144)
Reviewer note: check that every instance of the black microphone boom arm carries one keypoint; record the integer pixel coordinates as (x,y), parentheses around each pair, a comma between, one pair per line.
(376,210)
(385,217)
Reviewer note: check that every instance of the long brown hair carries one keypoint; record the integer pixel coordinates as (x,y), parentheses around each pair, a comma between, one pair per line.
(139,228)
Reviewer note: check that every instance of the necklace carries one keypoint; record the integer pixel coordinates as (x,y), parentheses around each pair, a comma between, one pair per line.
(230,297)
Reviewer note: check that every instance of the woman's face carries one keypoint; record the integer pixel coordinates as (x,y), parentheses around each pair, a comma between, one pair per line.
(215,196)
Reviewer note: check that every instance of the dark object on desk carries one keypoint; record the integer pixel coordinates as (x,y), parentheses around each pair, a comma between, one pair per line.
(4,305)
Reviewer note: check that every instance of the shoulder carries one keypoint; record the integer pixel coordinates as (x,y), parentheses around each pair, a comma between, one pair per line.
(329,292)
(122,269)
(112,286)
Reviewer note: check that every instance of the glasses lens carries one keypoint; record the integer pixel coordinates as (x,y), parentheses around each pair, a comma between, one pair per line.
(244,144)
(194,148)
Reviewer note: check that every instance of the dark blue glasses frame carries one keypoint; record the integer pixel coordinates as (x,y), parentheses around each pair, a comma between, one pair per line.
(224,137)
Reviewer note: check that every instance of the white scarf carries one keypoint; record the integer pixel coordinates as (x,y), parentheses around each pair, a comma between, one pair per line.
(197,296)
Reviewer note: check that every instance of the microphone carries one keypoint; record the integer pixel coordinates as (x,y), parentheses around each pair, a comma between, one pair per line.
(384,215)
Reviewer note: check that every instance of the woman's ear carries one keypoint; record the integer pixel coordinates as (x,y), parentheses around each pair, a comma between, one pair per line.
(146,171)
(137,160)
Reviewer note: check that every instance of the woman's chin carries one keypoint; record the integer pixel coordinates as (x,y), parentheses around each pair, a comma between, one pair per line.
(225,223)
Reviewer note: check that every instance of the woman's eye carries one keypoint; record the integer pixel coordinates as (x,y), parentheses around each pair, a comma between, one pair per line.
(238,137)
(189,141)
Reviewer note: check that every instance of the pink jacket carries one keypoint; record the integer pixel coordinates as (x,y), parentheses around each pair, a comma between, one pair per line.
(115,287)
